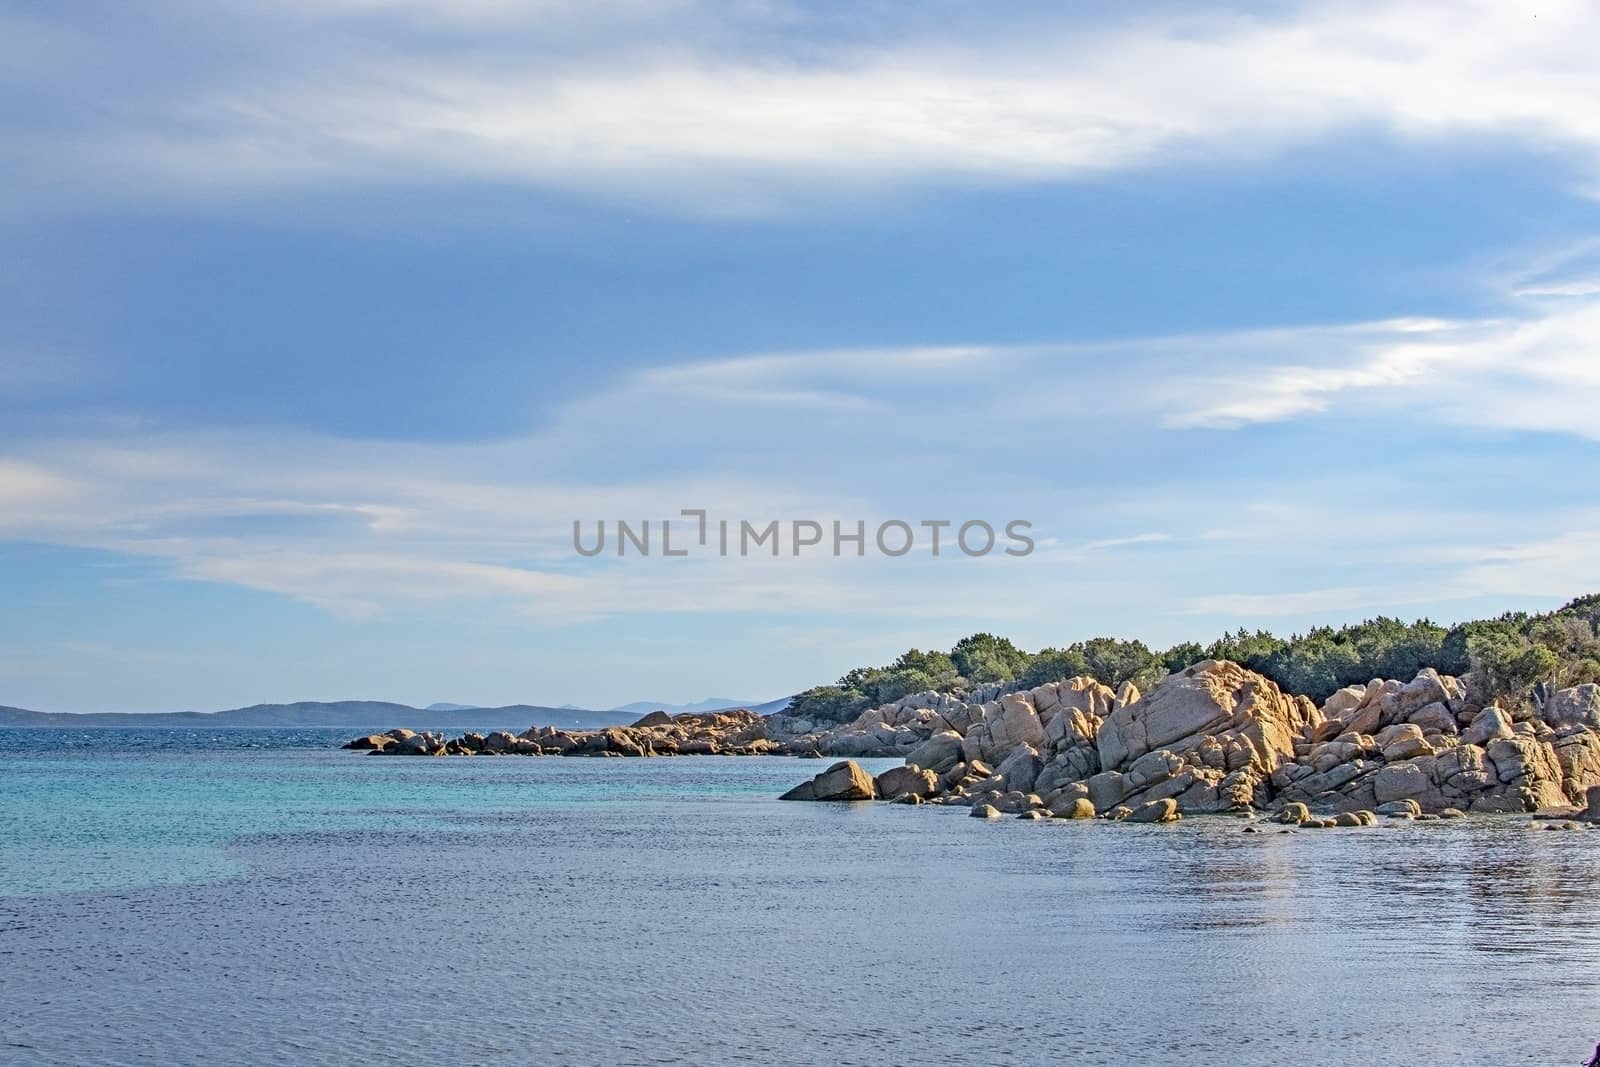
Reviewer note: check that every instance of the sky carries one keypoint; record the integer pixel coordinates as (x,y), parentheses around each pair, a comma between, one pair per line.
(323,321)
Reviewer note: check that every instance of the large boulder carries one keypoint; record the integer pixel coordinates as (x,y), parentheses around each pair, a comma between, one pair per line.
(843,781)
(1343,704)
(1005,724)
(1016,723)
(1490,724)
(1528,766)
(1578,706)
(1021,768)
(1462,770)
(655,718)
(1402,781)
(1428,687)
(1242,716)
(411,745)
(621,742)
(1434,719)
(907,780)
(1403,741)
(938,753)
(1083,694)
(1074,808)
(1578,752)
(1106,790)
(1156,811)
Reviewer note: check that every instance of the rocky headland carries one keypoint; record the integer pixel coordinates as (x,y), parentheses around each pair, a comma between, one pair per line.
(1218,738)
(1213,738)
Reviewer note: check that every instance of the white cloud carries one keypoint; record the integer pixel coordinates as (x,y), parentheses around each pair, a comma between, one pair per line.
(700,107)
(1534,374)
(28,486)
(996,432)
(1297,602)
(1574,288)
(1559,565)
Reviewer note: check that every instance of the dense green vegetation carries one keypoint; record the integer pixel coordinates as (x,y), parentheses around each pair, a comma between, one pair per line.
(1507,657)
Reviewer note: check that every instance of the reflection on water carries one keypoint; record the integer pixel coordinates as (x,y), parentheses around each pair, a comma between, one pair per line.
(280,905)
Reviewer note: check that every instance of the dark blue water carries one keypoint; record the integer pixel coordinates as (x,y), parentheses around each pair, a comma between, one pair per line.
(249,897)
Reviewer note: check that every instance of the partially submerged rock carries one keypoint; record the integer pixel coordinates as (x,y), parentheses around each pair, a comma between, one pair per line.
(906,781)
(845,780)
(1156,811)
(1076,808)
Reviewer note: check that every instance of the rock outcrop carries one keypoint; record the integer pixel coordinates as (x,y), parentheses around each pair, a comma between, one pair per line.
(1217,737)
(1214,737)
(843,781)
(732,733)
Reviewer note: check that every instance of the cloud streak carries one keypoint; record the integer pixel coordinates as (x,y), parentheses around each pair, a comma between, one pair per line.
(719,112)
(361,528)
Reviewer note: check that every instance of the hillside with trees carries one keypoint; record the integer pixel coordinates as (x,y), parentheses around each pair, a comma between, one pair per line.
(1507,657)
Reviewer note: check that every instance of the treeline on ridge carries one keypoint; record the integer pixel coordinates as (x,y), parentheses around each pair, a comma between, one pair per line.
(1508,657)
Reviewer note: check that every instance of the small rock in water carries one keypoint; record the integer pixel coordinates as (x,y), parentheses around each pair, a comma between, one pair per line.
(1156,811)
(985,811)
(1293,814)
(1400,809)
(1081,808)
(843,781)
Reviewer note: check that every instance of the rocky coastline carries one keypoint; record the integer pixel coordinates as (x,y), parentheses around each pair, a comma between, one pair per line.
(737,732)
(1214,738)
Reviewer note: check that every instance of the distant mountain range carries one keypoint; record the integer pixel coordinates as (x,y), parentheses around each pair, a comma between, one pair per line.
(369,716)
(357,716)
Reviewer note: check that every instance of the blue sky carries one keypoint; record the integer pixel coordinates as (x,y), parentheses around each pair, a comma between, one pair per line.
(324,319)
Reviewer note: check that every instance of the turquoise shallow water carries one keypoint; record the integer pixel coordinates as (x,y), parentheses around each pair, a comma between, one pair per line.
(243,897)
(100,809)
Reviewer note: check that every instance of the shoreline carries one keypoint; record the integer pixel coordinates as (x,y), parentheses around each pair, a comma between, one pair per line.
(1213,738)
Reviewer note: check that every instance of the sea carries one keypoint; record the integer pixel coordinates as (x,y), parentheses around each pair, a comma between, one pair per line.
(262,897)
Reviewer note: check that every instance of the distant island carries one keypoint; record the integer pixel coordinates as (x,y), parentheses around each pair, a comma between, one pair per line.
(361,715)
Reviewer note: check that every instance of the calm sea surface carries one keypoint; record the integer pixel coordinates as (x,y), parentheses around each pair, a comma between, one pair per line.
(242,897)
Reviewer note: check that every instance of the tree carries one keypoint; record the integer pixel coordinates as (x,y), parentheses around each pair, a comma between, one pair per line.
(1115,661)
(1252,650)
(828,703)
(1316,665)
(1053,665)
(1507,656)
(1182,655)
(891,685)
(1508,665)
(986,658)
(939,668)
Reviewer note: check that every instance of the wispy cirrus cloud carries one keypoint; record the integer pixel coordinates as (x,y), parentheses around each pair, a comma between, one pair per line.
(717,109)
(364,527)
(1533,370)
